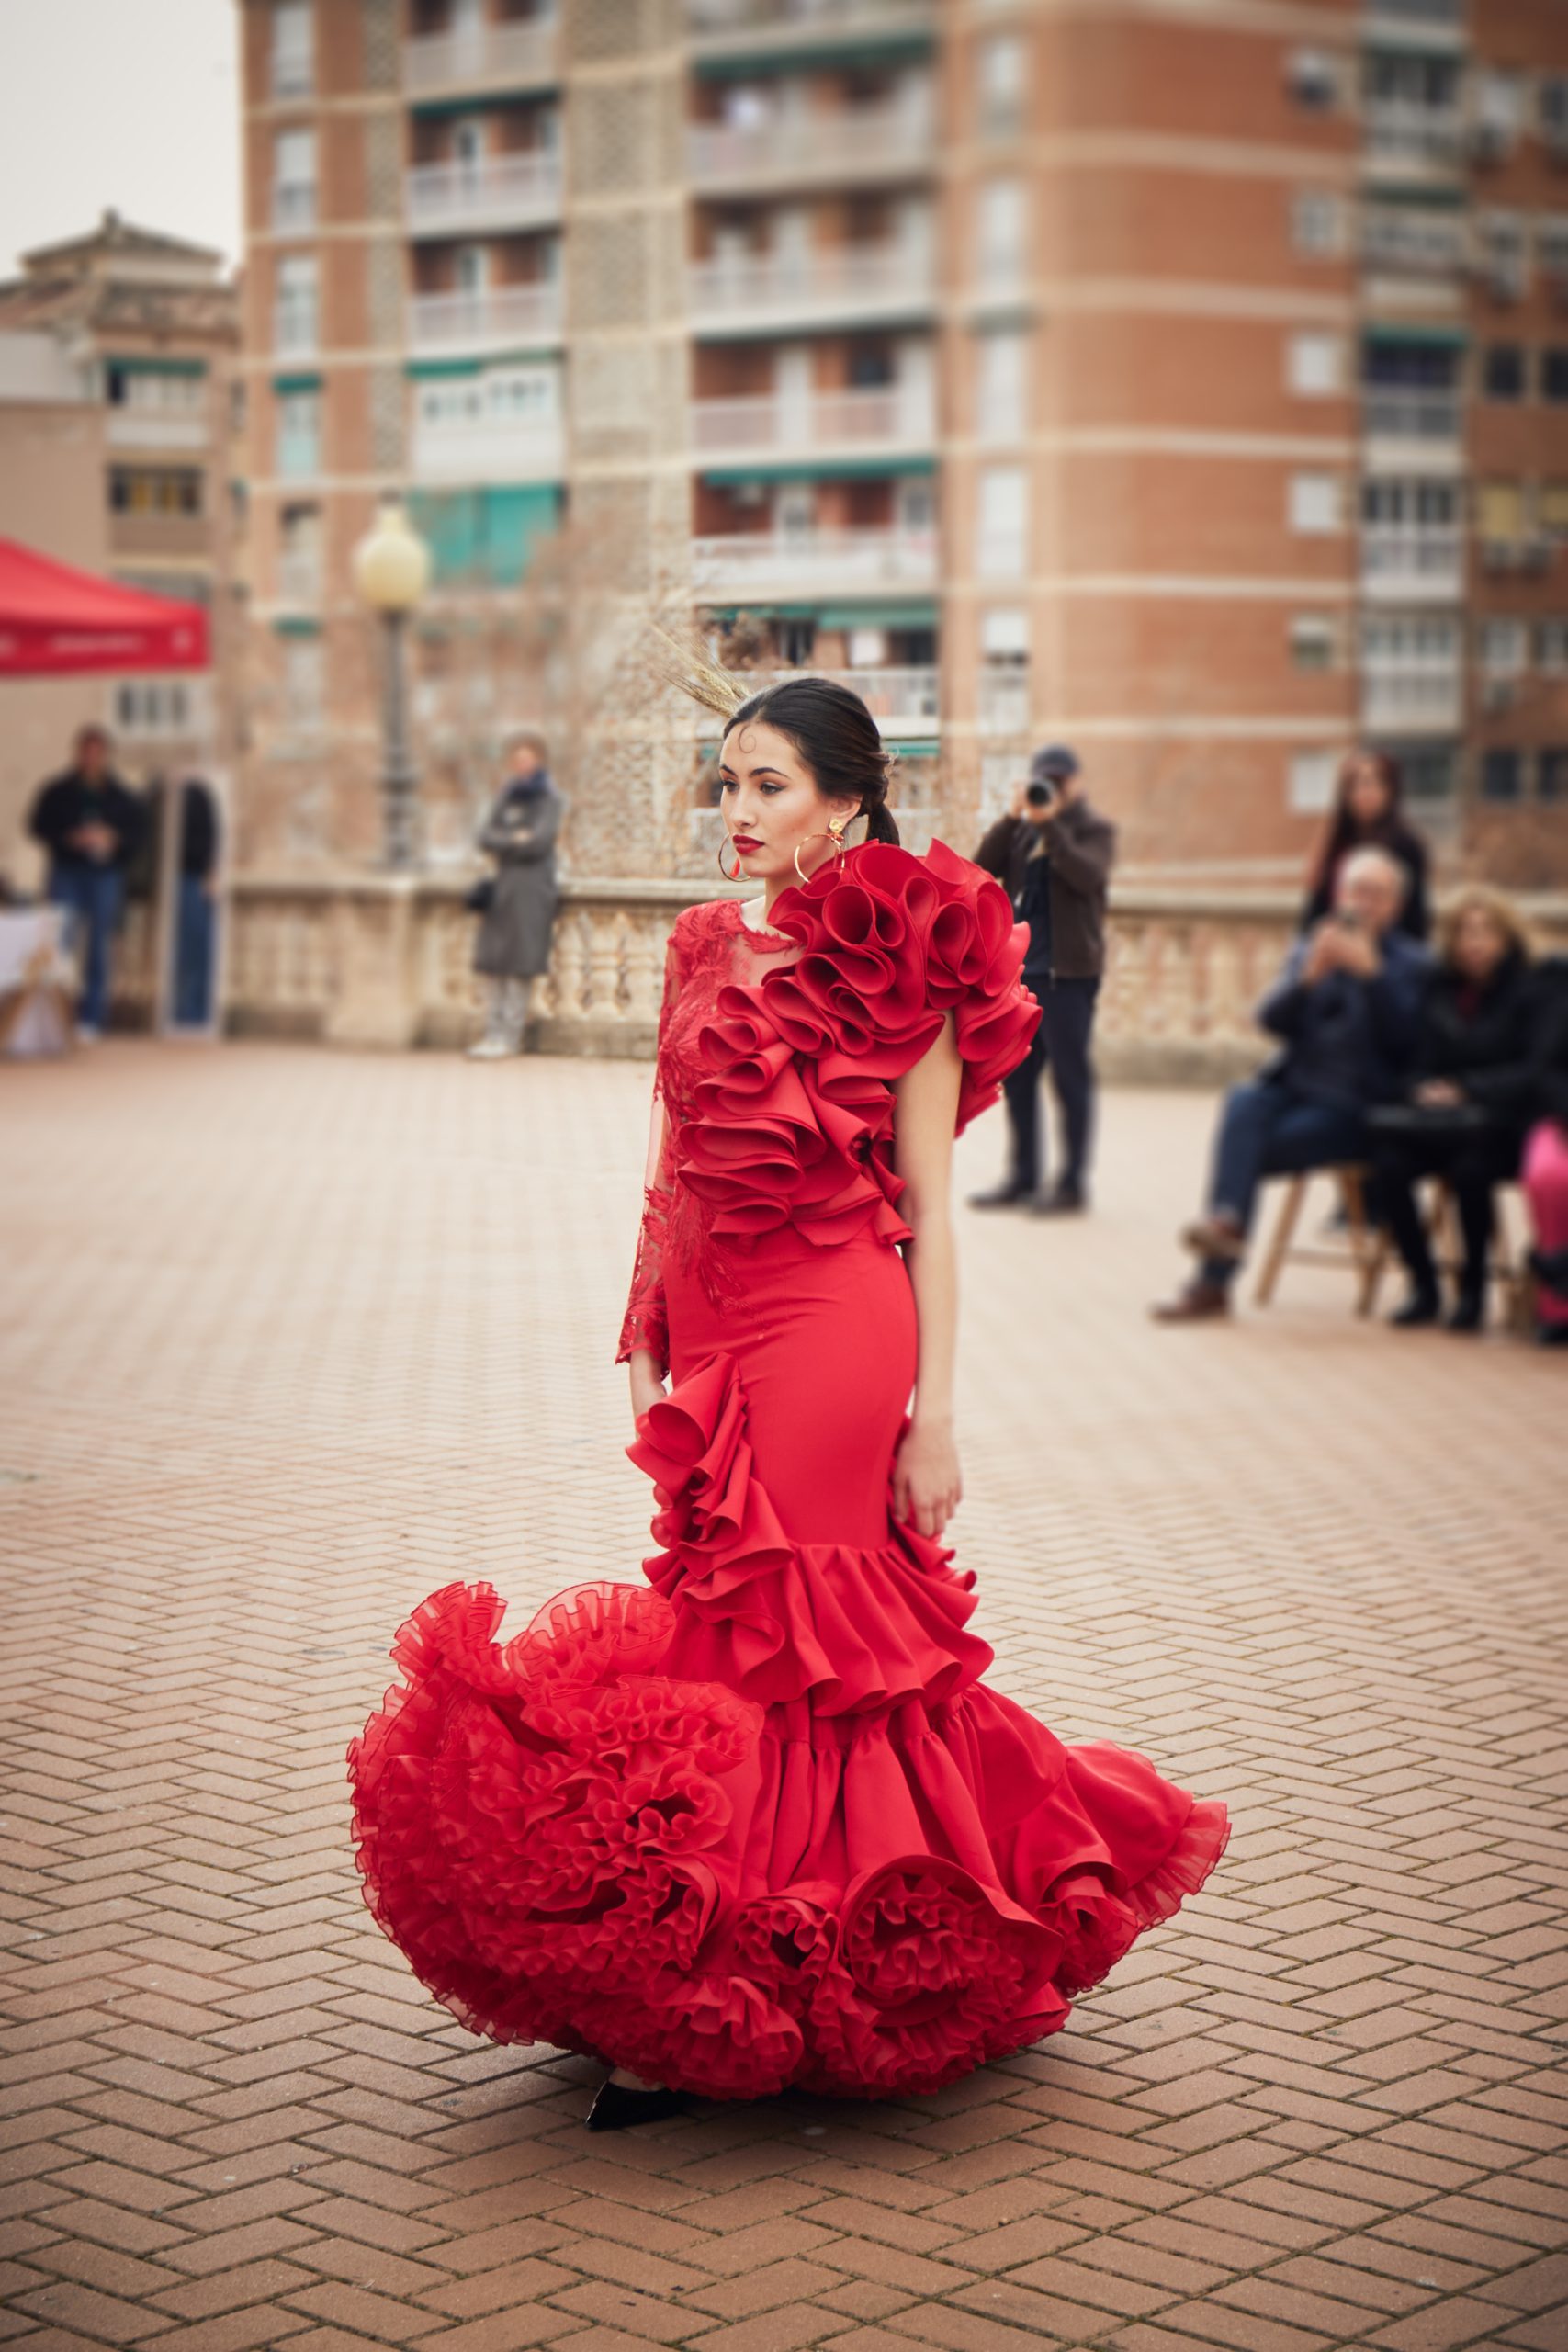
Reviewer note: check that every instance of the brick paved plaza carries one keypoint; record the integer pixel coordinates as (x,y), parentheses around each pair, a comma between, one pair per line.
(292,1338)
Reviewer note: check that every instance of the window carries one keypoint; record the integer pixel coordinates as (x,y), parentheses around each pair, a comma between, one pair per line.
(1318,220)
(1002,84)
(1554,509)
(1503,371)
(1003,532)
(304,681)
(1315,641)
(1504,254)
(1551,776)
(1552,648)
(1315,502)
(1498,99)
(153,707)
(1502,775)
(999,224)
(294,179)
(1312,775)
(1000,385)
(293,49)
(299,430)
(796,641)
(1312,79)
(156,490)
(151,391)
(1553,105)
(871,366)
(1551,246)
(1500,512)
(300,555)
(1004,671)
(294,324)
(1504,647)
(1554,372)
(1315,365)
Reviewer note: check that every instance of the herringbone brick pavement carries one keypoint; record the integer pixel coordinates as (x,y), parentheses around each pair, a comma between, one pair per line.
(292,1338)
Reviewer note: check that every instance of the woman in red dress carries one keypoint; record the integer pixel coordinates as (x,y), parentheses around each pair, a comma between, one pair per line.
(759,1821)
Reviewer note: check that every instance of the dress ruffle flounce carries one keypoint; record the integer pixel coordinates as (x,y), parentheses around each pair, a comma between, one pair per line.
(795,1117)
(757,1825)
(759,1822)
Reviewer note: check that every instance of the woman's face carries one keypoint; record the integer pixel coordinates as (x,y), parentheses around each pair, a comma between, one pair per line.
(1479,945)
(772,805)
(1368,795)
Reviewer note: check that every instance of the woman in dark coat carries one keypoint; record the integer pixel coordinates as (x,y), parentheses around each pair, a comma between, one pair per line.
(1469,1102)
(513,942)
(1368,812)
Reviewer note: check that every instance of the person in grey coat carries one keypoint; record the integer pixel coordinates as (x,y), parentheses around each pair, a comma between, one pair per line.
(513,942)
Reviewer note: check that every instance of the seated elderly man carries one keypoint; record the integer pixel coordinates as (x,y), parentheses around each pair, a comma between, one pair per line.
(1346,1009)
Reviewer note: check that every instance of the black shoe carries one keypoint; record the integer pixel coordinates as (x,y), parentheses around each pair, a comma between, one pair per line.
(1421,1306)
(1469,1311)
(616,2106)
(1550,1268)
(1010,1195)
(1063,1200)
(1551,1335)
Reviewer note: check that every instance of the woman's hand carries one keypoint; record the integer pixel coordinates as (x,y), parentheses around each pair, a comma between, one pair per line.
(647,1379)
(927,1487)
(1439,1094)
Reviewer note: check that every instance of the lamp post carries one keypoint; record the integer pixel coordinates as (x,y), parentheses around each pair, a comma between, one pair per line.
(391,566)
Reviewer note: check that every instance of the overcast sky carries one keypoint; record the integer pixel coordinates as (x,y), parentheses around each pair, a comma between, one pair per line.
(131,104)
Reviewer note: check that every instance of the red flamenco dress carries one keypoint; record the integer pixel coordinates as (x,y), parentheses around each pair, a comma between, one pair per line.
(759,1821)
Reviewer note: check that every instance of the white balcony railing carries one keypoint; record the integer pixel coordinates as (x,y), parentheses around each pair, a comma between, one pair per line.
(480,55)
(1399,131)
(494,192)
(715,19)
(1403,562)
(1412,244)
(486,448)
(845,143)
(758,563)
(894,416)
(1395,415)
(1418,16)
(1415,697)
(902,701)
(848,279)
(484,320)
(131,428)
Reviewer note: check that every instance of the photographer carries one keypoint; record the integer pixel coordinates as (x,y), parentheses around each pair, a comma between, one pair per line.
(1052,854)
(1346,1009)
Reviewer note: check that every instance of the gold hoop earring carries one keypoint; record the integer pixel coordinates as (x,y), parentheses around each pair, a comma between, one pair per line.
(835,833)
(724,870)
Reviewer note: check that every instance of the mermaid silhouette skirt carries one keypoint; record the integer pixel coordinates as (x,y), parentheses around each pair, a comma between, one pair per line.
(758,1820)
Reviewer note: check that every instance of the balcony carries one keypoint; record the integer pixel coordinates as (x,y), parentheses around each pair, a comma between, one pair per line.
(841,144)
(131,428)
(890,418)
(1421,24)
(1412,565)
(1402,132)
(1414,698)
(496,319)
(487,449)
(902,702)
(497,192)
(301,576)
(1414,244)
(733,28)
(160,534)
(485,57)
(1412,431)
(842,285)
(751,566)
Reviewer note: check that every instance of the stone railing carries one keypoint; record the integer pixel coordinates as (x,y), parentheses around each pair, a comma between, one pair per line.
(370,961)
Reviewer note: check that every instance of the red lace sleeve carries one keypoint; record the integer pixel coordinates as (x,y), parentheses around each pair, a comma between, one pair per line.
(645,1324)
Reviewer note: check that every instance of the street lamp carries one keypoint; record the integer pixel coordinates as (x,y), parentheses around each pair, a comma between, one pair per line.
(391,566)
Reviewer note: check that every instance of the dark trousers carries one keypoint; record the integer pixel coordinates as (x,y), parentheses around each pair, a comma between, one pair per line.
(1266,1130)
(1474,1164)
(1061,1043)
(193,942)
(93,896)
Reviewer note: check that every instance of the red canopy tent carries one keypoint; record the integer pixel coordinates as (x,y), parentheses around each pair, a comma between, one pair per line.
(55,620)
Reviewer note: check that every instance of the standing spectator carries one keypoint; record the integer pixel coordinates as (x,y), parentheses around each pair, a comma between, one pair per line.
(196,883)
(1544,1174)
(1369,813)
(519,913)
(1467,1104)
(1053,853)
(91,825)
(1344,1009)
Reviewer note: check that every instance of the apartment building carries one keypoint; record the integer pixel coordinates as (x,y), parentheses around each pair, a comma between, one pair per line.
(1191,383)
(115,454)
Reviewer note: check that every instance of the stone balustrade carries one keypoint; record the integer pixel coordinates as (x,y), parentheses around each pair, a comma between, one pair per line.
(374,960)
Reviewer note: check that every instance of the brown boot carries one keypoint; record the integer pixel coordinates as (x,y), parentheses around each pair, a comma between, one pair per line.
(1215,1237)
(1200,1302)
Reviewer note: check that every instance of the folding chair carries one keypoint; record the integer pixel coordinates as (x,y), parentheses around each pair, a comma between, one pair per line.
(1364,1249)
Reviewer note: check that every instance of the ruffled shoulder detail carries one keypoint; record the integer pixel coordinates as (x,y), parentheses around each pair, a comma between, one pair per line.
(890,943)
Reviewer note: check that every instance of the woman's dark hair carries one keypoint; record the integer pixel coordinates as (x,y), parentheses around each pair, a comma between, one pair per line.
(1345,833)
(837,737)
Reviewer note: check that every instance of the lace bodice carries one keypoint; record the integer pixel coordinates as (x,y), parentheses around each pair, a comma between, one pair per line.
(773,1101)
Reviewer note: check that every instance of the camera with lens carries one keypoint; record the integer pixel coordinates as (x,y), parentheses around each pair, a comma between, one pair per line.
(1040,795)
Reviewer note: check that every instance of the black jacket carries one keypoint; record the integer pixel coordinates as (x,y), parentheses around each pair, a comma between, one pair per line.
(1548,1042)
(1081,845)
(1415,915)
(1483,1046)
(69,801)
(1346,1041)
